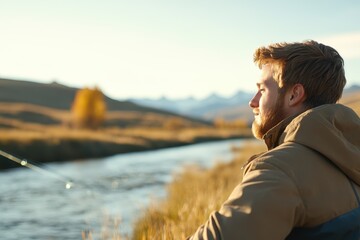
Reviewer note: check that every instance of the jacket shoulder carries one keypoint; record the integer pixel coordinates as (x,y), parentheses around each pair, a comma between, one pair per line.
(281,157)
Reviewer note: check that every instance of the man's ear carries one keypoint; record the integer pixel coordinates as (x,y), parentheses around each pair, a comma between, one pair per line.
(296,95)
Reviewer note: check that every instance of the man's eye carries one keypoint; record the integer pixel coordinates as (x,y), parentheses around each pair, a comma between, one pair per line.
(261,90)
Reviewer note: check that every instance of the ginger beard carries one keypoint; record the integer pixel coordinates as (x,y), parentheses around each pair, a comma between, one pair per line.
(264,121)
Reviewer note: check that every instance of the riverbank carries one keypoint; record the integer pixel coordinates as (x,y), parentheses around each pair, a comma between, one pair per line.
(57,144)
(191,197)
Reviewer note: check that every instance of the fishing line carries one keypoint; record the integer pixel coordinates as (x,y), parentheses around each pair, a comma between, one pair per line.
(25,163)
(90,189)
(68,182)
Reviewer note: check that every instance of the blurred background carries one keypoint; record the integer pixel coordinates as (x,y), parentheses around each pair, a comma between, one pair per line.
(103,102)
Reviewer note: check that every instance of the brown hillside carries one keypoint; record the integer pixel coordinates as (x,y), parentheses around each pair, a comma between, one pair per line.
(57,97)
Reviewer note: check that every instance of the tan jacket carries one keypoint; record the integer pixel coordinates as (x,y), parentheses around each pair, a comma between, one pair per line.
(302,181)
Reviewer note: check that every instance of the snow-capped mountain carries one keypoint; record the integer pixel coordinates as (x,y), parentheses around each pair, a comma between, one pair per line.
(208,108)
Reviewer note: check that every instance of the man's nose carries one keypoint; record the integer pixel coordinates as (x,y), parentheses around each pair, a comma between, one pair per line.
(254,102)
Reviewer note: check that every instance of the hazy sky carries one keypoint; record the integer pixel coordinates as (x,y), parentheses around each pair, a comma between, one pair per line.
(173,48)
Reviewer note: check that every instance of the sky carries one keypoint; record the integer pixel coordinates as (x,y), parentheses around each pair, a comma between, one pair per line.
(171,48)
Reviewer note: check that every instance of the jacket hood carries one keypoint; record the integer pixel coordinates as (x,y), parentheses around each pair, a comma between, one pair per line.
(332,130)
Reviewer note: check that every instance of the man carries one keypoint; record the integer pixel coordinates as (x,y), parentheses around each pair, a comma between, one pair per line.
(306,186)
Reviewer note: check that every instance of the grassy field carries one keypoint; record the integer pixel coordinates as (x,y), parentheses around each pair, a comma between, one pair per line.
(43,134)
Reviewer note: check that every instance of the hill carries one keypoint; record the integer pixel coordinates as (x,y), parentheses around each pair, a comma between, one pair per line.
(40,99)
(58,96)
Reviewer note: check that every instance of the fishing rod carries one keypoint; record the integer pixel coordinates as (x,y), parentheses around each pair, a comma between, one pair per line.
(25,163)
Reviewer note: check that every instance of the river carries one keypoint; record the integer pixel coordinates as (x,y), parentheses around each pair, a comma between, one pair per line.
(39,205)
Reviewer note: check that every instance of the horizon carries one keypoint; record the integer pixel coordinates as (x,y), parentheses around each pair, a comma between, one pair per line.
(355,85)
(154,49)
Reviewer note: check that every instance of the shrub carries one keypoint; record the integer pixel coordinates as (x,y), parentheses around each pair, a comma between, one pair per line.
(89,108)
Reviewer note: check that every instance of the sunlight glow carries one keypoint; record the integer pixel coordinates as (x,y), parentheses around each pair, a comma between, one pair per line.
(175,50)
(347,44)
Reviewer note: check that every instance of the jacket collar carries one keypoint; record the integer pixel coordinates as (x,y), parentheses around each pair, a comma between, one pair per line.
(272,137)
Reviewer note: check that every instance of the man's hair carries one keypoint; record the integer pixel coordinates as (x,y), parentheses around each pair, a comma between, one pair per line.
(319,68)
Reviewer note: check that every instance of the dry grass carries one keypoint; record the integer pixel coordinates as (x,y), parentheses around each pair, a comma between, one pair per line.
(21,107)
(18,123)
(110,230)
(60,143)
(353,101)
(185,134)
(191,197)
(24,132)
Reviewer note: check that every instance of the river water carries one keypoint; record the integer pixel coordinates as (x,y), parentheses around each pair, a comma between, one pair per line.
(34,205)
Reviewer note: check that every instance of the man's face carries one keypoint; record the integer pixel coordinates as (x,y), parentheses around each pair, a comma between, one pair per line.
(267,104)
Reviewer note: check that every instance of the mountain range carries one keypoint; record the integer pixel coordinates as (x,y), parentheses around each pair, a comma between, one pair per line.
(208,108)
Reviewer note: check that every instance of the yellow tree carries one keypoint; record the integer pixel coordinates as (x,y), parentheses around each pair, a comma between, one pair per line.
(89,108)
